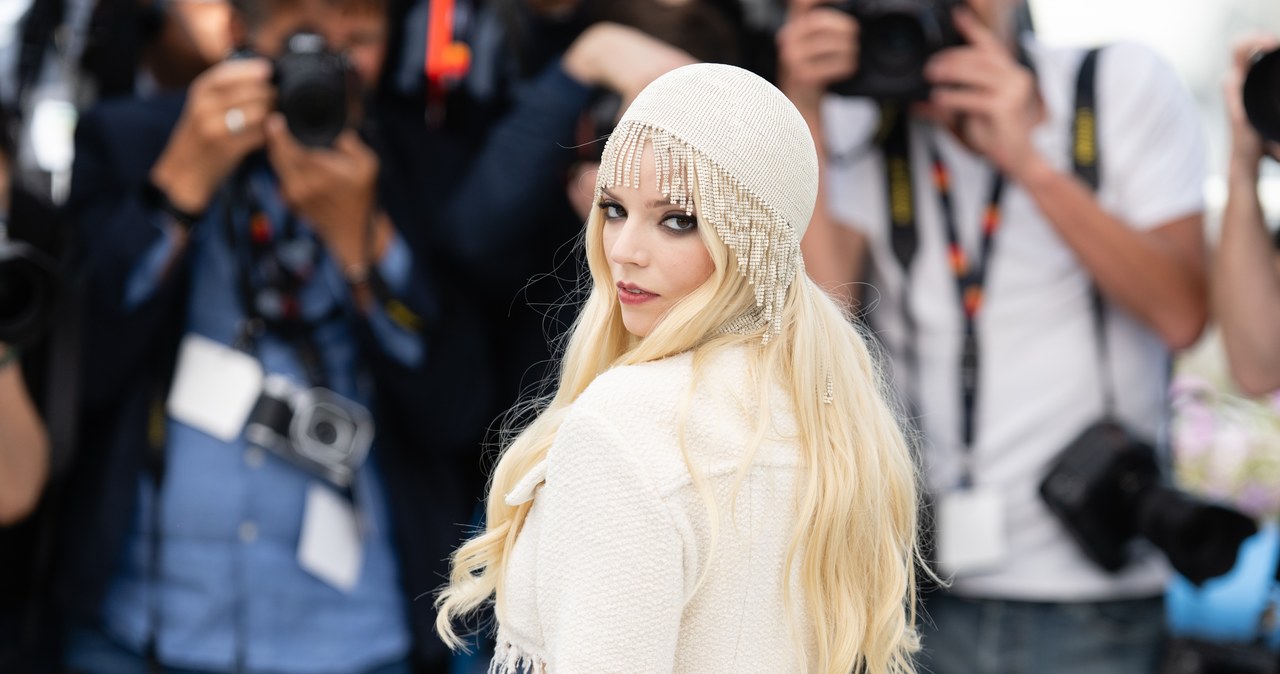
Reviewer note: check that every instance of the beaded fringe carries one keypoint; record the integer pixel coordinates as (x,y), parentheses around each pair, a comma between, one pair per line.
(766,245)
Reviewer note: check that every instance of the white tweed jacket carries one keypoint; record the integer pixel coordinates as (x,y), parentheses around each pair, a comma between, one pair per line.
(607,573)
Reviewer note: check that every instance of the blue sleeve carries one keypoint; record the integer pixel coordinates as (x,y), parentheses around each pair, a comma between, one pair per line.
(401,339)
(517,173)
(396,265)
(149,272)
(394,316)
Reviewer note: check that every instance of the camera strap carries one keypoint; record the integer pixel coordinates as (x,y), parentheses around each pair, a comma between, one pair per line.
(1085,163)
(971,272)
(284,259)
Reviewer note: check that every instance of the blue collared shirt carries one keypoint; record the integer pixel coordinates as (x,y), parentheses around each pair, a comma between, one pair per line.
(228,592)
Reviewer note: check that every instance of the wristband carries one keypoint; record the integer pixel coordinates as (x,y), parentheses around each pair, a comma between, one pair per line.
(156,198)
(9,357)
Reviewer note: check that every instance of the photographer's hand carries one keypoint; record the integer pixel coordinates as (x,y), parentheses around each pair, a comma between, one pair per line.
(987,99)
(335,189)
(992,104)
(221,122)
(621,59)
(817,46)
(1246,284)
(1247,147)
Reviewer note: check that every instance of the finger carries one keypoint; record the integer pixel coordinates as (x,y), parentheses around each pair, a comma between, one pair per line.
(949,100)
(966,66)
(231,75)
(973,30)
(829,67)
(1251,47)
(243,97)
(797,8)
(254,131)
(287,156)
(824,60)
(350,147)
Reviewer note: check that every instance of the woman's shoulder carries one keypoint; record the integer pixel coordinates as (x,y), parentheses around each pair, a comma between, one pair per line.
(663,386)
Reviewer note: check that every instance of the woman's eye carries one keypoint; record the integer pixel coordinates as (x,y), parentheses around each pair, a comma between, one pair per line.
(612,211)
(680,223)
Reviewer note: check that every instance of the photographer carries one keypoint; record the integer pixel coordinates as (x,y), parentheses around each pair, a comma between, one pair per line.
(1246,279)
(38,407)
(258,309)
(983,274)
(24,442)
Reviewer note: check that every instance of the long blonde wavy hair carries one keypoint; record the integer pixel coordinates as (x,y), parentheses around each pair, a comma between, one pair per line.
(855,542)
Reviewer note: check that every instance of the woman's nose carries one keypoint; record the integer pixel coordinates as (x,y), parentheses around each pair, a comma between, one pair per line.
(628,246)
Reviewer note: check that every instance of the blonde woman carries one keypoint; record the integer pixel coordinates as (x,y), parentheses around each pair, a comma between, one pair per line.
(718,484)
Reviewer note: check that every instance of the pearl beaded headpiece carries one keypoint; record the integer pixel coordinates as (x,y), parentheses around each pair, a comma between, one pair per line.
(751,157)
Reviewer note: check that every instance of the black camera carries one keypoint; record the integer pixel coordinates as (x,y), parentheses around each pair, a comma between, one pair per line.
(1106,489)
(29,289)
(316,89)
(316,429)
(1262,94)
(1196,656)
(896,39)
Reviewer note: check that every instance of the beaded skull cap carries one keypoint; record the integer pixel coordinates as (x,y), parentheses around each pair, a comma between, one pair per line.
(746,149)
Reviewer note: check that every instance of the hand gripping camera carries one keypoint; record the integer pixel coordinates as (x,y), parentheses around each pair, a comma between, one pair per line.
(896,39)
(316,89)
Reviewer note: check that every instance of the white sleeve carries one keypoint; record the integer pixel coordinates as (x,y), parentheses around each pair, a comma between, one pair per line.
(1152,141)
(611,577)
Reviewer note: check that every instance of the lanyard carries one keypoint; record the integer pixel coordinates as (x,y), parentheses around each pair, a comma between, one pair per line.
(273,264)
(971,276)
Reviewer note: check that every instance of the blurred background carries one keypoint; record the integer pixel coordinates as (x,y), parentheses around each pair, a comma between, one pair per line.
(1194,36)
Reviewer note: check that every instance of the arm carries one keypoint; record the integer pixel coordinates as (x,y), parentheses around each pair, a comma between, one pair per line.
(991,103)
(519,169)
(24,445)
(816,47)
(612,578)
(1157,275)
(1246,283)
(336,190)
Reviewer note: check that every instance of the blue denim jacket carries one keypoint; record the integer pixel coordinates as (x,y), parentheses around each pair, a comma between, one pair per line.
(225,590)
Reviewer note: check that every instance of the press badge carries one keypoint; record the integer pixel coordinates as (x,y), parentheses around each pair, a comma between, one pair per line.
(329,547)
(214,387)
(971,532)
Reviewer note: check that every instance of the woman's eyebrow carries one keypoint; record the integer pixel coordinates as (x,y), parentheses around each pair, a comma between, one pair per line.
(653,203)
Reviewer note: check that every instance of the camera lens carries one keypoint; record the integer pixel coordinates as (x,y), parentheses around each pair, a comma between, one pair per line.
(314,90)
(1262,95)
(28,289)
(325,433)
(896,45)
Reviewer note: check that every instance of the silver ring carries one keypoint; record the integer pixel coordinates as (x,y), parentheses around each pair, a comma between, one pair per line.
(234,119)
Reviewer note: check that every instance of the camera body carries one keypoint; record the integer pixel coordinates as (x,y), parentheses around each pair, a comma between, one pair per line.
(1105,488)
(1262,94)
(895,40)
(30,286)
(316,89)
(316,429)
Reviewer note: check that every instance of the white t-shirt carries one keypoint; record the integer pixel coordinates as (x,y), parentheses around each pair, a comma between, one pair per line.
(1040,375)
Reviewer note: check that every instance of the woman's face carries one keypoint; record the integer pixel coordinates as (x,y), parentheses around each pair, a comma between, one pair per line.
(655,253)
